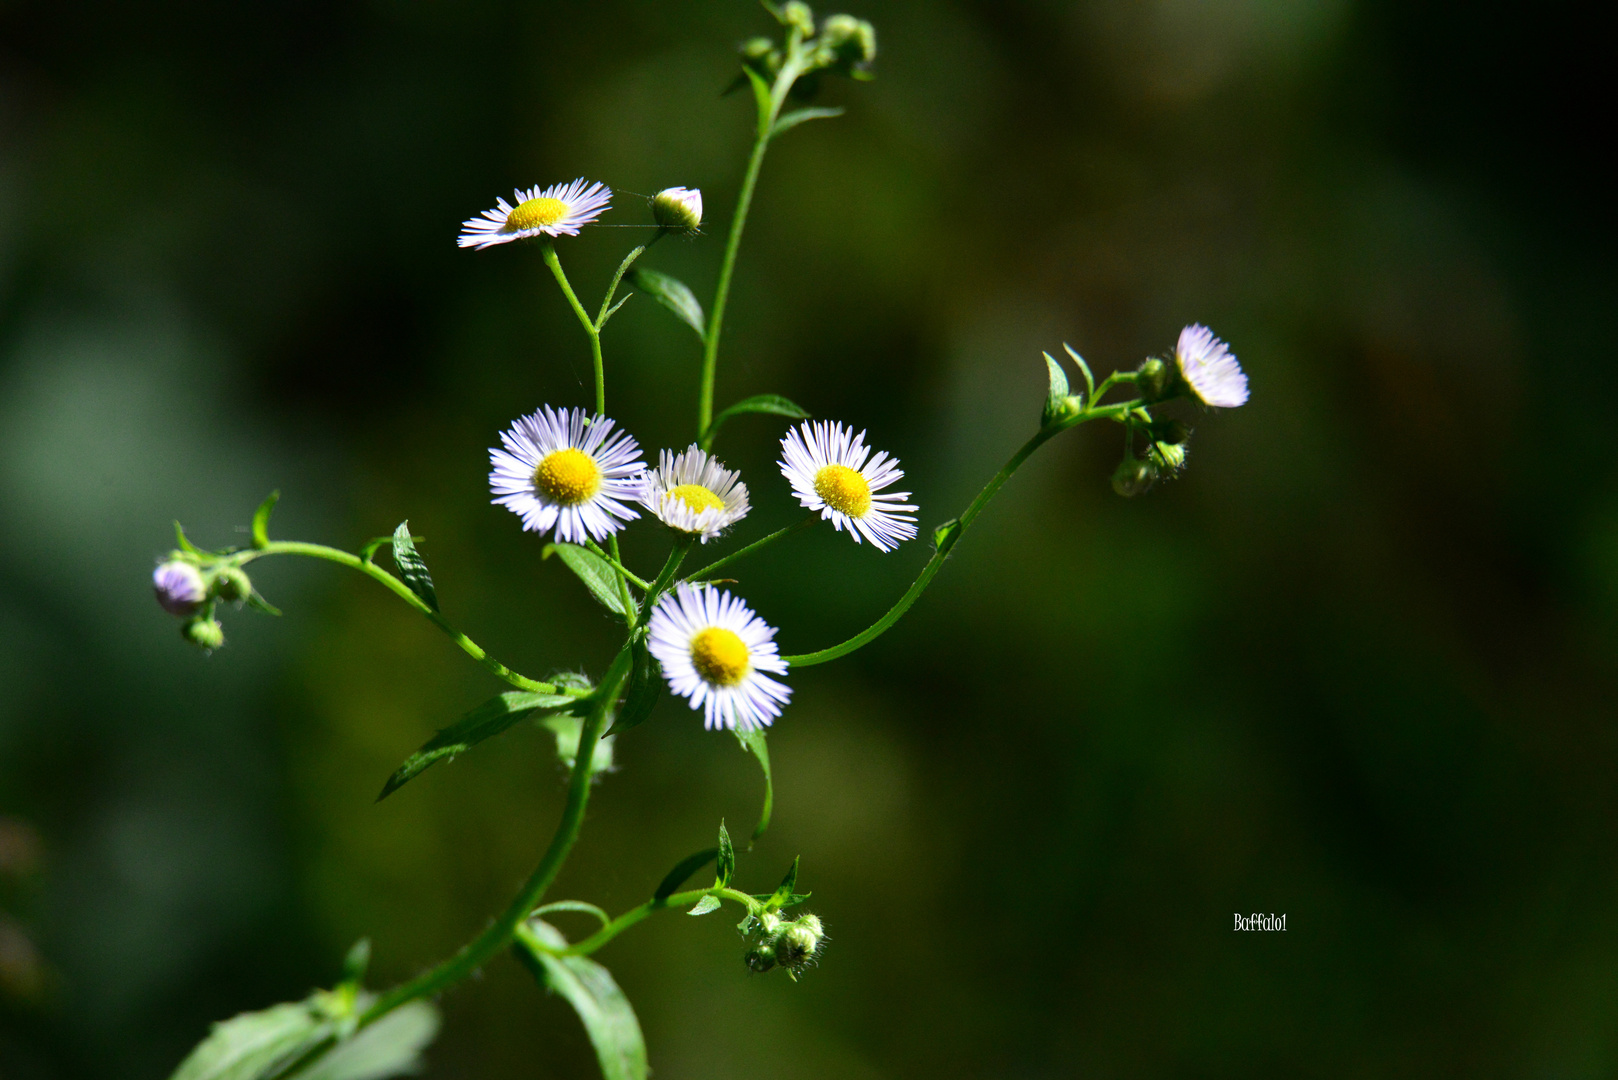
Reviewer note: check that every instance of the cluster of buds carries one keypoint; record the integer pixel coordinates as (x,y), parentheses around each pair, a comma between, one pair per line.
(791,944)
(187,590)
(845,45)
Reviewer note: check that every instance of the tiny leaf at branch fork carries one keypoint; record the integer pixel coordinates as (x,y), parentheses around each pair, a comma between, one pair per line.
(484,722)
(412,570)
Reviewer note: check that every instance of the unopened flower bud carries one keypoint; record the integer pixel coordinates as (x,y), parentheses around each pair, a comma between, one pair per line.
(760,957)
(1133,477)
(798,15)
(231,584)
(204,633)
(848,41)
(1168,457)
(761,55)
(678,208)
(179,587)
(799,942)
(1152,379)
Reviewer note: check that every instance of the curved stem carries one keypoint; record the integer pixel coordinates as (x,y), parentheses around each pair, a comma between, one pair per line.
(636,914)
(499,933)
(584,320)
(403,591)
(779,534)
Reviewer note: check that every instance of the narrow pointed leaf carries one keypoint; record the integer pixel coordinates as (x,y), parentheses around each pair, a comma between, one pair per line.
(608,1018)
(672,293)
(596,573)
(753,742)
(483,722)
(945,535)
(793,119)
(184,543)
(1084,369)
(761,95)
(774,404)
(645,688)
(784,891)
(258,603)
(412,570)
(1056,398)
(705,905)
(727,858)
(682,871)
(261,520)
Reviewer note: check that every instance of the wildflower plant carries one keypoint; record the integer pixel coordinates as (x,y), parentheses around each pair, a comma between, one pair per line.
(577,477)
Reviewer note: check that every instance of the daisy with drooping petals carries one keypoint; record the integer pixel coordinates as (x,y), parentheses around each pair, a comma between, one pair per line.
(693,493)
(713,650)
(826,464)
(1209,368)
(566,468)
(558,210)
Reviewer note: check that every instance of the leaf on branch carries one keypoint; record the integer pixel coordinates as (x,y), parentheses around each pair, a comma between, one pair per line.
(390,1047)
(761,95)
(945,535)
(568,728)
(483,722)
(784,891)
(261,520)
(672,293)
(705,905)
(1056,399)
(412,570)
(256,601)
(645,688)
(596,573)
(590,989)
(753,742)
(1084,369)
(774,404)
(258,1045)
(793,119)
(683,870)
(727,858)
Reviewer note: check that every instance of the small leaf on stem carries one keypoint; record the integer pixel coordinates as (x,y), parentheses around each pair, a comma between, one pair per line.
(672,293)
(753,742)
(483,722)
(412,570)
(705,905)
(596,573)
(261,520)
(727,858)
(793,119)
(645,688)
(588,987)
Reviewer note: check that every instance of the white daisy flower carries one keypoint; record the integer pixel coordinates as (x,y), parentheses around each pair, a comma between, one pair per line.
(713,650)
(692,492)
(826,465)
(1209,368)
(558,210)
(565,468)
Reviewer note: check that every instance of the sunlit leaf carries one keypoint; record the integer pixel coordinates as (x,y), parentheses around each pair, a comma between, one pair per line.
(590,989)
(726,859)
(705,905)
(596,573)
(391,1046)
(672,293)
(487,720)
(412,571)
(256,1044)
(1084,369)
(784,891)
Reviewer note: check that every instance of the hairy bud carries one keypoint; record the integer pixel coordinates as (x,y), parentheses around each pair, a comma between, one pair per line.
(1133,477)
(797,943)
(1152,379)
(678,208)
(232,584)
(204,633)
(760,957)
(179,587)
(798,15)
(847,41)
(1168,457)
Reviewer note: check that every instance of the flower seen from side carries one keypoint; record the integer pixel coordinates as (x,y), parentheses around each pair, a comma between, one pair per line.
(179,587)
(827,465)
(1209,368)
(694,493)
(678,208)
(558,210)
(566,470)
(715,651)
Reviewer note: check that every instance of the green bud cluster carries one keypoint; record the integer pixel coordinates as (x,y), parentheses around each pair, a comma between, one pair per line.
(792,945)
(845,45)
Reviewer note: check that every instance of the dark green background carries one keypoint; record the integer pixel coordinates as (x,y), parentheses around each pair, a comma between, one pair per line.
(1357,666)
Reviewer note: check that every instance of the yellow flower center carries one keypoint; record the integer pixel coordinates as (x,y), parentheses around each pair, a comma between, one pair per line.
(568,476)
(719,656)
(843,489)
(697,497)
(535,214)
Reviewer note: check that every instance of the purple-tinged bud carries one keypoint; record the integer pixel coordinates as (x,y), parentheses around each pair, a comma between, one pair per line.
(678,208)
(179,587)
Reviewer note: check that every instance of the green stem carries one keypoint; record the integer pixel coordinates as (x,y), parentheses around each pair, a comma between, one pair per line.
(612,290)
(584,320)
(475,954)
(682,544)
(612,558)
(636,914)
(780,534)
(403,591)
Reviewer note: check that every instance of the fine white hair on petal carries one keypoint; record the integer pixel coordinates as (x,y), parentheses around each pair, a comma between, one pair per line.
(695,467)
(584,202)
(752,702)
(1210,368)
(532,438)
(813,445)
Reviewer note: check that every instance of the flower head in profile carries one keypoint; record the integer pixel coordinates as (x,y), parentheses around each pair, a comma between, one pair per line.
(179,587)
(714,650)
(694,493)
(678,208)
(558,210)
(565,469)
(827,465)
(1209,368)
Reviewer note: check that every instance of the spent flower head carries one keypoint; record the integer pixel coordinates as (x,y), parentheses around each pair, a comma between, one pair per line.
(558,210)
(834,474)
(714,651)
(694,493)
(565,469)
(1209,368)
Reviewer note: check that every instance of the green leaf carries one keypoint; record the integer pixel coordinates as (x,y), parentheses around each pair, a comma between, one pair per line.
(596,573)
(1056,398)
(590,989)
(645,688)
(774,404)
(945,535)
(672,293)
(184,543)
(357,960)
(683,870)
(793,119)
(485,721)
(784,891)
(256,1044)
(567,728)
(610,312)
(261,520)
(705,905)
(761,95)
(1084,369)
(411,569)
(257,602)
(390,1047)
(753,742)
(727,858)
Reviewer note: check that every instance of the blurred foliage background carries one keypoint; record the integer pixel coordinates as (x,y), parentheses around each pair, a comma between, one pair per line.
(1357,666)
